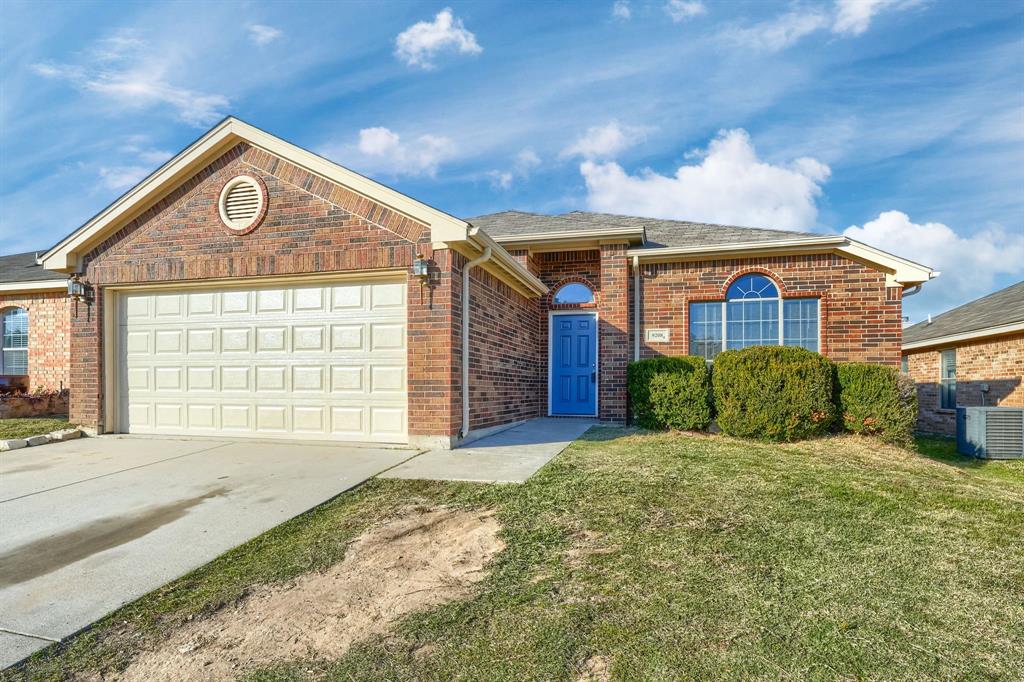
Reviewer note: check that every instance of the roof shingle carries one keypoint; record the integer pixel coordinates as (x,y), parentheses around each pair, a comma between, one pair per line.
(1003,307)
(660,233)
(21,267)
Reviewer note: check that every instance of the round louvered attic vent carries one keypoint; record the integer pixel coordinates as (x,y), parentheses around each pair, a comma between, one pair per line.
(242,203)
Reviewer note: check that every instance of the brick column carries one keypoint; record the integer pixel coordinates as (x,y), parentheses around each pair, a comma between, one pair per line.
(86,378)
(433,357)
(613,337)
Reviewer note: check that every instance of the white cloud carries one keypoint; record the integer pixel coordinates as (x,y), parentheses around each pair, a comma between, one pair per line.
(143,88)
(730,185)
(605,141)
(137,146)
(621,10)
(117,46)
(383,151)
(417,45)
(122,69)
(120,178)
(155,156)
(779,33)
(49,70)
(854,16)
(969,265)
(849,18)
(681,10)
(525,162)
(261,34)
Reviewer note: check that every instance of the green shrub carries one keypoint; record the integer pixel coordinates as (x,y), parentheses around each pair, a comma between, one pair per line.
(670,393)
(777,393)
(877,400)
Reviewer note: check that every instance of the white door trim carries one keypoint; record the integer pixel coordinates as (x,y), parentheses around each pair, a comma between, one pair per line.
(597,357)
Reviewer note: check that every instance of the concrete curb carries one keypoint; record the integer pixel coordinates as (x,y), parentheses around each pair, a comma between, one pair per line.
(41,439)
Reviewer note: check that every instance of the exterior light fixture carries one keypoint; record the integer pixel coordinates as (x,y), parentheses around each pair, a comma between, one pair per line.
(421,269)
(79,290)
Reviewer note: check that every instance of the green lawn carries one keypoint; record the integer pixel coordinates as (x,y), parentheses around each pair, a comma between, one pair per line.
(23,428)
(676,557)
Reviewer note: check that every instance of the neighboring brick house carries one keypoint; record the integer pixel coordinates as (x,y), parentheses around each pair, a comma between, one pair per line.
(251,288)
(34,325)
(970,356)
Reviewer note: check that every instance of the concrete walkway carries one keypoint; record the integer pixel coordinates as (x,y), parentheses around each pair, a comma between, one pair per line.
(511,456)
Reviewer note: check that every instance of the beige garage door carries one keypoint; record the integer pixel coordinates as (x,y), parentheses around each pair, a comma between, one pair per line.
(317,362)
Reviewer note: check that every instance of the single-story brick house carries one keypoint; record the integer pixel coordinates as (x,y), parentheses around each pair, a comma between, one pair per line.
(972,355)
(34,325)
(251,288)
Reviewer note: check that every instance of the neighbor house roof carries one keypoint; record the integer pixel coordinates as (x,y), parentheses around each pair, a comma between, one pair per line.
(998,313)
(20,272)
(658,239)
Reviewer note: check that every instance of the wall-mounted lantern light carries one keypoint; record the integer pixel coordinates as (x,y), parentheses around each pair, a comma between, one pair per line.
(421,269)
(79,290)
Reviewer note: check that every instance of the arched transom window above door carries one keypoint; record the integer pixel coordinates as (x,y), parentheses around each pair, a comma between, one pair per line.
(573,293)
(753,314)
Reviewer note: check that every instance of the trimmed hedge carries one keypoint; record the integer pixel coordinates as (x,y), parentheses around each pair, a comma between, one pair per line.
(775,393)
(876,400)
(670,393)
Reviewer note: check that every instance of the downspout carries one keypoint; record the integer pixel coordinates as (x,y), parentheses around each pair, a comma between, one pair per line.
(485,256)
(907,293)
(636,307)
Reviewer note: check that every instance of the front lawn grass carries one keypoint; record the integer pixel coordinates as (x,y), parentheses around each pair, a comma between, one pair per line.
(23,428)
(676,557)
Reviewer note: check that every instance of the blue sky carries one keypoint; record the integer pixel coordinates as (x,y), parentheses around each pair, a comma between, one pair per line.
(900,122)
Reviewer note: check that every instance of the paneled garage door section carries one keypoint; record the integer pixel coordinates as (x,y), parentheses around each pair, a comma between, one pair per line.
(324,362)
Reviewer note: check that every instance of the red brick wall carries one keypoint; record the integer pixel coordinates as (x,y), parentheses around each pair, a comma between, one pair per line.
(997,362)
(505,365)
(614,331)
(312,226)
(860,319)
(49,350)
(434,402)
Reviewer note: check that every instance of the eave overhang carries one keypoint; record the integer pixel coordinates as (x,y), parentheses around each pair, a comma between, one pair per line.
(574,239)
(33,285)
(949,339)
(898,271)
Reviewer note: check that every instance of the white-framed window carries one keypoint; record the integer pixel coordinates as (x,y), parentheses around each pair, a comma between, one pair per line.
(753,314)
(947,379)
(573,293)
(14,342)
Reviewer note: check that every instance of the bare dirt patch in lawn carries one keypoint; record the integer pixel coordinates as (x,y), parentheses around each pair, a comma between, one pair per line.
(418,560)
(596,669)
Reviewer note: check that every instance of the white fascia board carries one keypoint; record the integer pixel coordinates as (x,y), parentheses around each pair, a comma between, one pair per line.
(667,252)
(220,138)
(967,336)
(899,271)
(632,234)
(34,285)
(480,239)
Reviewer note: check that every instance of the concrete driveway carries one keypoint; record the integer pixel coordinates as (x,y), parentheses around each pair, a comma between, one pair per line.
(88,525)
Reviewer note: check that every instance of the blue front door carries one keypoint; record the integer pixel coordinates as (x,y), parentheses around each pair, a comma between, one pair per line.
(573,364)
